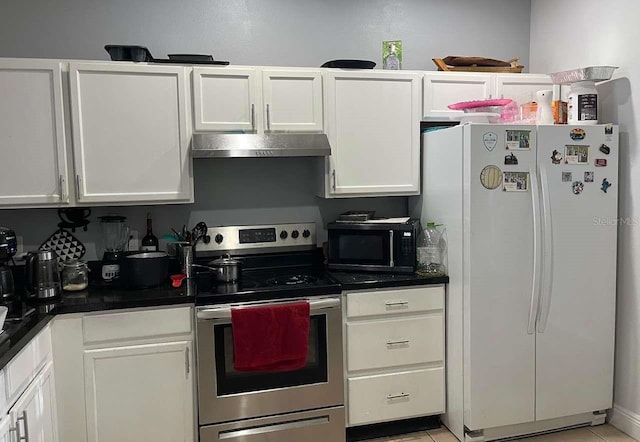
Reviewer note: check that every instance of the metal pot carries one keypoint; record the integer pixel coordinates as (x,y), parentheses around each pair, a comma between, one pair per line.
(226,269)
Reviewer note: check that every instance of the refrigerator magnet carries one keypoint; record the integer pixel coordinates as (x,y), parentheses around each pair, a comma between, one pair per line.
(588,177)
(577,187)
(576,154)
(510,160)
(490,140)
(556,157)
(608,132)
(567,177)
(518,140)
(491,177)
(601,162)
(515,182)
(605,185)
(577,134)
(605,149)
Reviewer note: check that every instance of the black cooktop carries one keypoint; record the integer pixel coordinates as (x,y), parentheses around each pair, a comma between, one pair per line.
(274,277)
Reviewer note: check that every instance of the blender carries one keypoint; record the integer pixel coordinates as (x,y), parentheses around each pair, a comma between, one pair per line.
(115,235)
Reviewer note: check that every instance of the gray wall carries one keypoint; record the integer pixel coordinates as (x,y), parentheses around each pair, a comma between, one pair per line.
(228,192)
(268,32)
(254,32)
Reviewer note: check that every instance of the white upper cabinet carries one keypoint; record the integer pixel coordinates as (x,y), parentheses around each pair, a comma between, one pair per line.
(130,133)
(225,99)
(373,125)
(292,100)
(444,88)
(32,134)
(521,88)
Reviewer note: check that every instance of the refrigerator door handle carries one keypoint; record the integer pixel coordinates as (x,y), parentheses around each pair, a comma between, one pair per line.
(547,237)
(535,286)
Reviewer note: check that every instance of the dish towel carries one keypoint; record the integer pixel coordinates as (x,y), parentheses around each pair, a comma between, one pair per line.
(271,338)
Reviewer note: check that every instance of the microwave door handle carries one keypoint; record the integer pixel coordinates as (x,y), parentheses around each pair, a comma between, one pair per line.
(391,263)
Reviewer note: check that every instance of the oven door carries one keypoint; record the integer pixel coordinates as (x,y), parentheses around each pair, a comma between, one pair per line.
(369,249)
(225,394)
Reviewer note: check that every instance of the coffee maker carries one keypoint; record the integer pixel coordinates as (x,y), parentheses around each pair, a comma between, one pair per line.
(8,248)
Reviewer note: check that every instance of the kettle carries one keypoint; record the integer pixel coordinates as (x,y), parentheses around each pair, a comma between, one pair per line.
(42,274)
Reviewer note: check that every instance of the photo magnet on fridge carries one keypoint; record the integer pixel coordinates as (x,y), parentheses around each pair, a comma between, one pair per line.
(515,182)
(556,157)
(510,160)
(577,187)
(588,177)
(576,154)
(567,177)
(518,140)
(605,149)
(608,129)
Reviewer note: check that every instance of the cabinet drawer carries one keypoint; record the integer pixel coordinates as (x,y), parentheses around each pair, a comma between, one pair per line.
(395,396)
(21,369)
(395,342)
(136,325)
(392,302)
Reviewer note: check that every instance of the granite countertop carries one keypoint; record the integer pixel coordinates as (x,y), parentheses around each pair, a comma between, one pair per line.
(18,333)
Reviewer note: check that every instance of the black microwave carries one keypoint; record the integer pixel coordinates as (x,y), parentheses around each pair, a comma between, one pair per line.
(373,246)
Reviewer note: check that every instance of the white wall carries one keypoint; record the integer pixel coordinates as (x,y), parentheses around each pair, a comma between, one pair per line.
(268,32)
(579,33)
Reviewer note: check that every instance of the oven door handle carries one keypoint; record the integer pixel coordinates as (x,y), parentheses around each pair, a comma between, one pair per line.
(224,311)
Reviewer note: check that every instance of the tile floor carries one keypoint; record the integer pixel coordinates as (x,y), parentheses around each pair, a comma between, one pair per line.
(602,433)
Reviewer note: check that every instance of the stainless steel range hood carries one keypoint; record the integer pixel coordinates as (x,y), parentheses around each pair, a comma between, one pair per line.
(212,145)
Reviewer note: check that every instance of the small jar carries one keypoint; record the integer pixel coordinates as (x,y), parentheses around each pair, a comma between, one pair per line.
(75,276)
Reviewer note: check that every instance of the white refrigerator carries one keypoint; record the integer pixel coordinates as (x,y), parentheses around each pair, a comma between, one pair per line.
(531,218)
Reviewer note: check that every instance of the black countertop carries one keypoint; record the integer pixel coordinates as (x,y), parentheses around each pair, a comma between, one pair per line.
(18,333)
(363,281)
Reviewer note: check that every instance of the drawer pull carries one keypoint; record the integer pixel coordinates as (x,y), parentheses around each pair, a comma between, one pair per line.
(397,303)
(398,342)
(391,397)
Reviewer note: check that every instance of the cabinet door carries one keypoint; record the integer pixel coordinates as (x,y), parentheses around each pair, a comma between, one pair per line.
(34,413)
(373,125)
(32,135)
(225,99)
(521,88)
(140,393)
(292,101)
(130,133)
(7,430)
(444,88)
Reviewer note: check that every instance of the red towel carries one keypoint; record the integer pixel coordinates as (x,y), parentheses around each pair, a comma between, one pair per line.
(271,338)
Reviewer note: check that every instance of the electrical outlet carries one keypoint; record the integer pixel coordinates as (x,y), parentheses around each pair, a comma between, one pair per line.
(134,240)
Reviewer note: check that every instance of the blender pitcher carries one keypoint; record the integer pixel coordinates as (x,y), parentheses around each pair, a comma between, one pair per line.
(115,236)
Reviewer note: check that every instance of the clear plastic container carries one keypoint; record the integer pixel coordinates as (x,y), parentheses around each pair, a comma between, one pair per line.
(432,251)
(75,276)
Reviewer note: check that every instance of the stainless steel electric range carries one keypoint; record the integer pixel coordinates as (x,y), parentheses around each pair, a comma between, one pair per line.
(280,264)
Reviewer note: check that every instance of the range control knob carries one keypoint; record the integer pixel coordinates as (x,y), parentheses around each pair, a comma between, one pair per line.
(218,238)
(295,234)
(283,234)
(306,233)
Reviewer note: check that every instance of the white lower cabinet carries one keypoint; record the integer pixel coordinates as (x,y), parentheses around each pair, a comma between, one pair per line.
(34,413)
(400,395)
(6,429)
(394,348)
(140,392)
(126,376)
